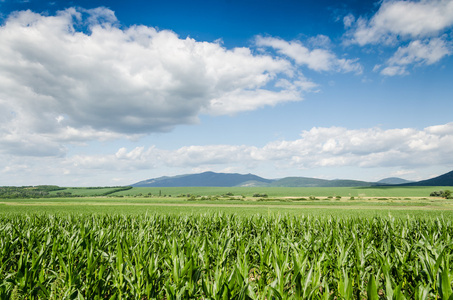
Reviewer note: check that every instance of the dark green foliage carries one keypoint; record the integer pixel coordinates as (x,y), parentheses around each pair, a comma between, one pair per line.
(260,195)
(45,191)
(437,194)
(119,189)
(444,194)
(39,191)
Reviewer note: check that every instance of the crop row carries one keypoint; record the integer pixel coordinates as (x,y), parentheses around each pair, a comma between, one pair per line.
(224,257)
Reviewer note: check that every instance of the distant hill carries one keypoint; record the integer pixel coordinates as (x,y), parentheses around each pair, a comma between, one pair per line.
(254,183)
(393,180)
(315,182)
(248,180)
(442,180)
(205,179)
(213,179)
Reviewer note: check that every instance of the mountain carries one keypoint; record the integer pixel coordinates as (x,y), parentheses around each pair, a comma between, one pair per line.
(205,179)
(393,180)
(249,180)
(314,182)
(442,180)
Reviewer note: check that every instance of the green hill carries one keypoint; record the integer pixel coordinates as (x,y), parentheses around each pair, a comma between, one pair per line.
(442,180)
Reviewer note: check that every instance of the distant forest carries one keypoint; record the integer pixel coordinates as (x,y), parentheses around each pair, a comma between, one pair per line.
(44,191)
(41,191)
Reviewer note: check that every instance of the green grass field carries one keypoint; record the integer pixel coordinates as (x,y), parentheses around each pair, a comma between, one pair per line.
(224,243)
(387,201)
(289,191)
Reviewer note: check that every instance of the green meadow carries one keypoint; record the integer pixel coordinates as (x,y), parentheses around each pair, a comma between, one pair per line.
(288,191)
(227,243)
(247,201)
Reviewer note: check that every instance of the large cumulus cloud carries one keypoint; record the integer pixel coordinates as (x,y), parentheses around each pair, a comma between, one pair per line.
(79,75)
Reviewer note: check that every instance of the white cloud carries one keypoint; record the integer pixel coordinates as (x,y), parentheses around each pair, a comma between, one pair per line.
(321,148)
(320,41)
(417,27)
(60,84)
(229,103)
(348,20)
(316,59)
(400,173)
(405,19)
(442,130)
(417,52)
(394,70)
(317,147)
(426,52)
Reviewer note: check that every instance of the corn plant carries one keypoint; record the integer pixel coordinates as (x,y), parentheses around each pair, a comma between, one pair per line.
(221,256)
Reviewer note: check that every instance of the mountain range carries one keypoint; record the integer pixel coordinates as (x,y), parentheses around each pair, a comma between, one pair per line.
(212,179)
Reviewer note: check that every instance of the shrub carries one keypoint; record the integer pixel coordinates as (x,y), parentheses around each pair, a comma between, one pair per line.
(444,194)
(260,195)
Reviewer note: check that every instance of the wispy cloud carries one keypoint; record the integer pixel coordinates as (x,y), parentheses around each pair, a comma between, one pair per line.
(318,147)
(417,52)
(404,19)
(317,59)
(415,27)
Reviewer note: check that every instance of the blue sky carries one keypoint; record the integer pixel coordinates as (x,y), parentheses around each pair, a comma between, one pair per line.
(114,92)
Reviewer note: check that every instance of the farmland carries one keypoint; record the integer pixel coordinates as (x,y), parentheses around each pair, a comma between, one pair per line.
(228,243)
(288,191)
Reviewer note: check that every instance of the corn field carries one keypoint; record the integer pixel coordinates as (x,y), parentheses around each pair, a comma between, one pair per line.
(218,256)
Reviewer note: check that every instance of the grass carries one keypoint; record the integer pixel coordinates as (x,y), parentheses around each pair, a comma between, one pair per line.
(370,207)
(368,202)
(289,191)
